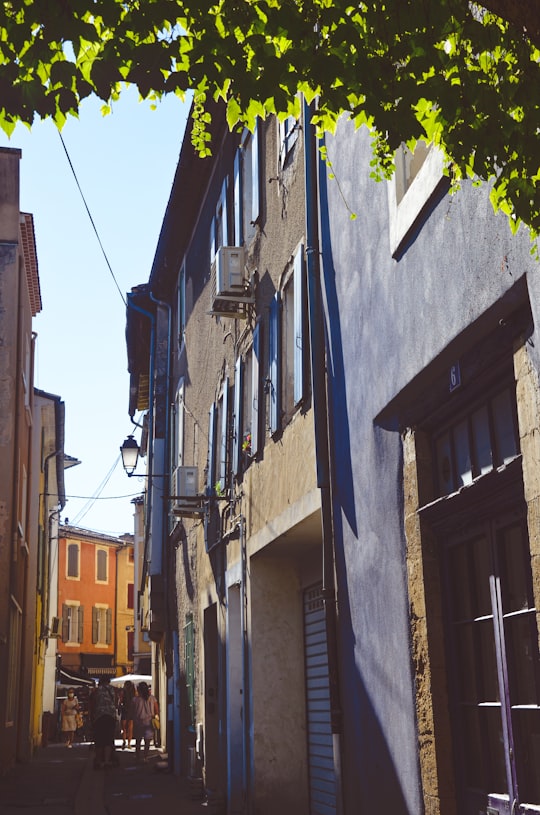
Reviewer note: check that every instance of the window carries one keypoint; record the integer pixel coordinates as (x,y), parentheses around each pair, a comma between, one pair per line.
(102,563)
(481,440)
(219,231)
(288,131)
(416,178)
(246,187)
(23,500)
(177,429)
(181,305)
(246,405)
(189,667)
(72,570)
(72,623)
(101,625)
(494,640)
(473,579)
(218,443)
(287,351)
(130,645)
(26,371)
(130,595)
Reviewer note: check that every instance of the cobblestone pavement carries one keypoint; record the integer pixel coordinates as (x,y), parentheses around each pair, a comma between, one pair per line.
(59,781)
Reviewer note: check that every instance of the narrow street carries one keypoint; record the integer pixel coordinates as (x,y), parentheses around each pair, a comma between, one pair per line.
(59,781)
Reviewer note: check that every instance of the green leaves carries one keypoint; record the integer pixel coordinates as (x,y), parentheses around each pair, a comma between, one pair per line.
(449,72)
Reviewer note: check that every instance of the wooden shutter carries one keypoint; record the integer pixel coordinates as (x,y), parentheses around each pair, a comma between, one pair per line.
(80,623)
(212,241)
(189,666)
(273,365)
(95,624)
(238,203)
(224,217)
(224,437)
(255,390)
(237,416)
(65,623)
(299,306)
(109,625)
(255,205)
(210,469)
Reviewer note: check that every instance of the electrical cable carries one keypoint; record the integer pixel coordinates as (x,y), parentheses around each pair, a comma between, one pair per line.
(91,501)
(91,219)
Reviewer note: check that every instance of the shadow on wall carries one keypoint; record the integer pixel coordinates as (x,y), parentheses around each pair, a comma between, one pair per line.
(370,780)
(339,419)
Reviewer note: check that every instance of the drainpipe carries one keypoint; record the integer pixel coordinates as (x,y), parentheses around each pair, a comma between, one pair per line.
(148,518)
(45,610)
(245,668)
(162,521)
(317,335)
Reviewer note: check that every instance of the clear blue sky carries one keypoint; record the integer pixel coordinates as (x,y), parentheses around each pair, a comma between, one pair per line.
(125,164)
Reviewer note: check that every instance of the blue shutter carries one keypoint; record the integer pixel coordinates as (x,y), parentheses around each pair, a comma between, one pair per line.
(223,447)
(210,473)
(255,389)
(255,174)
(224,219)
(212,241)
(237,418)
(299,311)
(238,203)
(273,366)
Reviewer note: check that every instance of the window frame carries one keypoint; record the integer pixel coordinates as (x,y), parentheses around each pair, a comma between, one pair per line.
(105,551)
(246,187)
(73,545)
(405,213)
(72,622)
(219,228)
(101,625)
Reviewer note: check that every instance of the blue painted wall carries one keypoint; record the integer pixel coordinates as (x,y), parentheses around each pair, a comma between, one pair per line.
(388,320)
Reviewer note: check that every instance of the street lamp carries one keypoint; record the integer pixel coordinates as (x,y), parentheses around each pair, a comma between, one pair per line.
(130,455)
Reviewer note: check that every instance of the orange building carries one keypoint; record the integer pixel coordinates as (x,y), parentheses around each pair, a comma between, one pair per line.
(89,591)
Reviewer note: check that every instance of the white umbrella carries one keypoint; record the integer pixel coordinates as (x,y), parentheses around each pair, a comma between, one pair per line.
(118,681)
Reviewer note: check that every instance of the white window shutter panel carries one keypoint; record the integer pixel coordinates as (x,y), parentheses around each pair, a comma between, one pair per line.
(255,204)
(238,239)
(274,366)
(224,440)
(237,418)
(255,389)
(224,214)
(210,473)
(299,298)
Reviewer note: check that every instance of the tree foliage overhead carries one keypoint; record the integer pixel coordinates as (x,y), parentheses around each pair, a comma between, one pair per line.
(450,71)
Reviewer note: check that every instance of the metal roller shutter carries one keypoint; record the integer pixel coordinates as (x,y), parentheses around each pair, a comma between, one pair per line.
(322,788)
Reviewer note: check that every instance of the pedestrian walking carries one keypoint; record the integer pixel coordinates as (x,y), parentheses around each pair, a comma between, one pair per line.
(103,709)
(144,708)
(126,723)
(69,710)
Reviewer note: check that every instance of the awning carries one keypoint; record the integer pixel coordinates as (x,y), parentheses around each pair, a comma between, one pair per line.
(66,677)
(118,681)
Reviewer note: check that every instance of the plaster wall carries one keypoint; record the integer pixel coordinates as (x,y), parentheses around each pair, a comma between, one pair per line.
(277,493)
(391,318)
(278,695)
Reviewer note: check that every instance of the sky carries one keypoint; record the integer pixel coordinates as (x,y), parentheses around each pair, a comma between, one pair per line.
(125,164)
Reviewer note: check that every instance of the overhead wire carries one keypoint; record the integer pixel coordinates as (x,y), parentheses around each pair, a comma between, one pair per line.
(91,219)
(85,509)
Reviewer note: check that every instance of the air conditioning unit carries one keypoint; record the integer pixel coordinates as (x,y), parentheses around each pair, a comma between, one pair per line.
(231,290)
(186,499)
(187,481)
